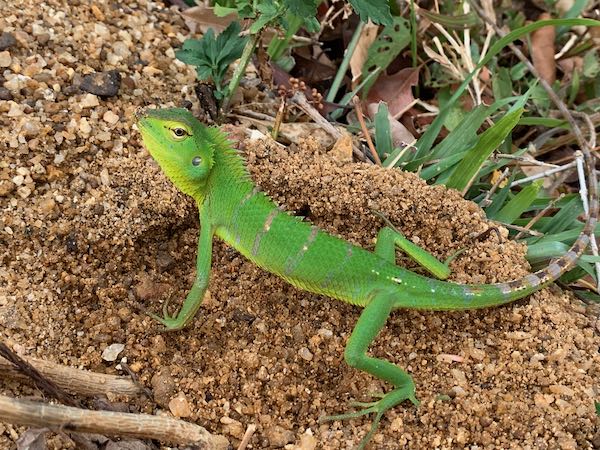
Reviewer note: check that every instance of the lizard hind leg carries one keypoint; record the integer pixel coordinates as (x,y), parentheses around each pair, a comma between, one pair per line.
(370,322)
(389,238)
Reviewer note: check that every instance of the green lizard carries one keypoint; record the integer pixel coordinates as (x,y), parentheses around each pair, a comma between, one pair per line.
(202,163)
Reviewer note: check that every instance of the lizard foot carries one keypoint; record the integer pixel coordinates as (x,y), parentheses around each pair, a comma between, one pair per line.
(169,322)
(379,407)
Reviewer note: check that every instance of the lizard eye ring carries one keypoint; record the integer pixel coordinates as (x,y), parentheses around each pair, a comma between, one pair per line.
(196,161)
(179,133)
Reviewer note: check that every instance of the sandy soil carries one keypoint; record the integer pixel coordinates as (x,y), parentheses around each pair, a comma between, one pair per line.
(90,228)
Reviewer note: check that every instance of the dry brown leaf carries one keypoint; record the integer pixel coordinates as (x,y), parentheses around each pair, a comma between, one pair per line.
(205,17)
(569,66)
(542,50)
(357,61)
(395,90)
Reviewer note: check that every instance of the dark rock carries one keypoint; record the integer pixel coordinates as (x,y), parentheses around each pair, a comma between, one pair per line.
(7,40)
(105,84)
(71,90)
(5,94)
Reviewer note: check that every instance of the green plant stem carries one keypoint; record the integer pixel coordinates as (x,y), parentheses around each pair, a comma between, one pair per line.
(347,97)
(413,33)
(339,76)
(239,72)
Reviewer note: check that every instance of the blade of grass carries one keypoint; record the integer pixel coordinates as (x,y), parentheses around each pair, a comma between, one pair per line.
(489,140)
(519,203)
(383,135)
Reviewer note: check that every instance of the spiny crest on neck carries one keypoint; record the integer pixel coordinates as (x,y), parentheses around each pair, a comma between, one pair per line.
(227,154)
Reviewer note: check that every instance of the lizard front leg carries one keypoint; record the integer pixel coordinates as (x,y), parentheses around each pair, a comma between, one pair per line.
(196,295)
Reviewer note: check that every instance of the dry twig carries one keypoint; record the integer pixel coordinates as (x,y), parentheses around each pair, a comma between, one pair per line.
(74,380)
(145,426)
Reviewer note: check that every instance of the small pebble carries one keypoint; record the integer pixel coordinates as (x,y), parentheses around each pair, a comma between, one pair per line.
(111,352)
(305,354)
(163,387)
(7,40)
(110,117)
(179,406)
(105,84)
(84,126)
(5,59)
(5,94)
(89,101)
(278,436)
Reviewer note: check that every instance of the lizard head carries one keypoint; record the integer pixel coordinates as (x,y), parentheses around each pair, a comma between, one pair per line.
(181,146)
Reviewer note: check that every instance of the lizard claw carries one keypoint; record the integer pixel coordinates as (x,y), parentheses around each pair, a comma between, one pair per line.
(378,408)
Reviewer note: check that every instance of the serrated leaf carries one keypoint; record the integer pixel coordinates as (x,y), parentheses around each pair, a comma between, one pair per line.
(302,8)
(212,54)
(376,10)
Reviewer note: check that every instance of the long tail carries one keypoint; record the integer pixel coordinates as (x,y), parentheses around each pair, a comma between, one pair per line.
(516,289)
(444,296)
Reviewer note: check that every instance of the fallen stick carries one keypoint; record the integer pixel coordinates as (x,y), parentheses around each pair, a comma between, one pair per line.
(144,426)
(75,380)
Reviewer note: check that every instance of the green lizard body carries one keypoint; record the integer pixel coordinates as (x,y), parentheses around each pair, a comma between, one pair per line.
(201,162)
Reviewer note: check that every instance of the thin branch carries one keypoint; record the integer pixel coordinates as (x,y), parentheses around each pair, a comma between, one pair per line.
(144,426)
(300,99)
(486,200)
(247,436)
(74,380)
(544,174)
(518,228)
(539,215)
(363,126)
(524,160)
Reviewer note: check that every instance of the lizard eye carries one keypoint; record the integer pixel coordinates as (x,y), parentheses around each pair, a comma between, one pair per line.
(179,133)
(196,161)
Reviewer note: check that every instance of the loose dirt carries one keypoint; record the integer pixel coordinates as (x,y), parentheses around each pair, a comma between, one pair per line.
(90,229)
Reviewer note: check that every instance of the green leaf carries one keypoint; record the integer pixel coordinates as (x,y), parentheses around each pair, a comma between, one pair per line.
(212,55)
(383,135)
(546,250)
(222,11)
(590,297)
(441,166)
(519,203)
(376,10)
(564,218)
(302,8)
(268,13)
(518,71)
(591,65)
(456,116)
(502,83)
(488,141)
(543,122)
(499,199)
(391,41)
